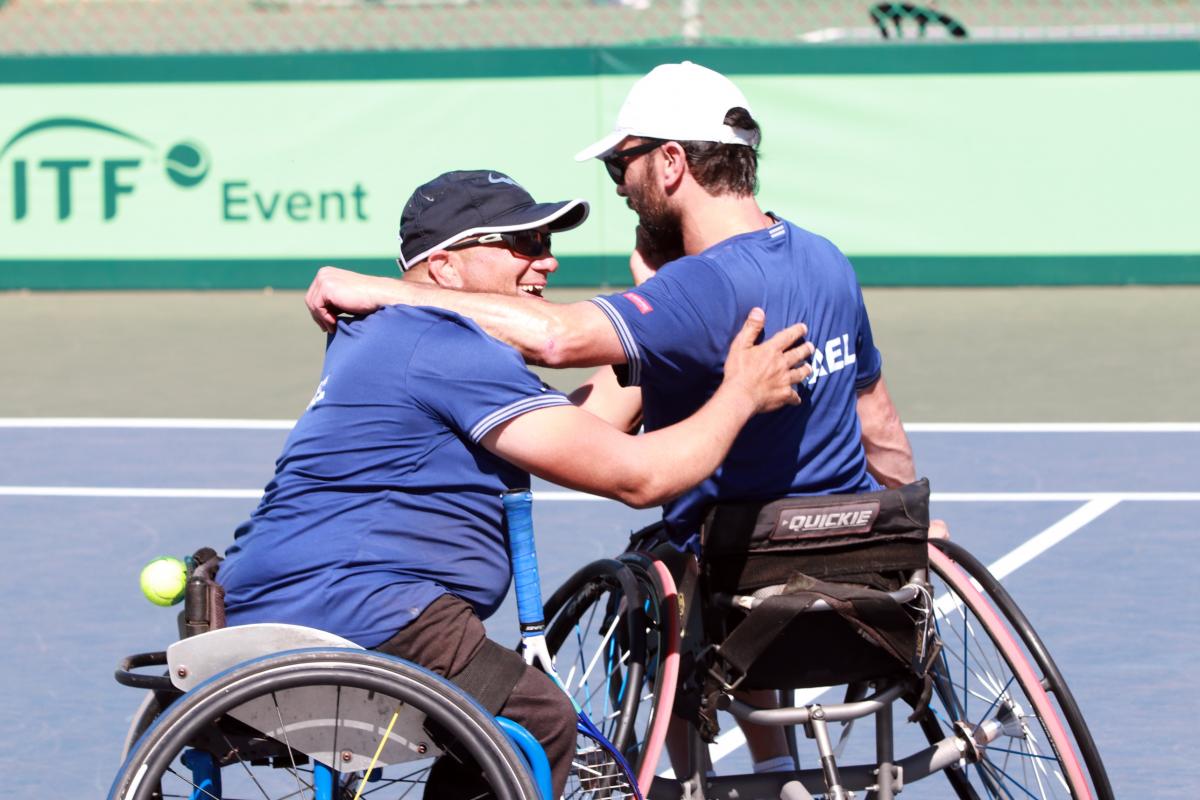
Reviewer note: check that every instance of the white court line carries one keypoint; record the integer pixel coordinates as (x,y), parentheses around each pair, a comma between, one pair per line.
(211,494)
(565,496)
(1060,497)
(131,492)
(734,739)
(121,422)
(1031,549)
(1053,427)
(912,427)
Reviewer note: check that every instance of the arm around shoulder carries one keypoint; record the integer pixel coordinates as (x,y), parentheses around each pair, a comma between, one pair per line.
(338,291)
(571,335)
(550,334)
(544,333)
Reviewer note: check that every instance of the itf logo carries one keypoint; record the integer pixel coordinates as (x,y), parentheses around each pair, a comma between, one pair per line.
(59,173)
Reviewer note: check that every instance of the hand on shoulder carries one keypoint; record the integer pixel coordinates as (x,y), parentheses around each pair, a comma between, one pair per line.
(768,373)
(338,291)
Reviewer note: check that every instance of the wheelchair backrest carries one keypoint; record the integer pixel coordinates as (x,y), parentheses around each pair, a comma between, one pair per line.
(846,551)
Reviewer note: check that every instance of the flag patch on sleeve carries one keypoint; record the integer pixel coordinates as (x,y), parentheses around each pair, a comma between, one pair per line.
(642,304)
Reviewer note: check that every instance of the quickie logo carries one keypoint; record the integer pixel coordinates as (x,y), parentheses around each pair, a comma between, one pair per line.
(798,523)
(185,164)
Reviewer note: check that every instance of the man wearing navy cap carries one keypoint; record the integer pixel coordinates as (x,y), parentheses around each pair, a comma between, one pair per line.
(684,154)
(383,523)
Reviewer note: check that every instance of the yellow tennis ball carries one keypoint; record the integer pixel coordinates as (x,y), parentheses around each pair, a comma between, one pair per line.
(164,580)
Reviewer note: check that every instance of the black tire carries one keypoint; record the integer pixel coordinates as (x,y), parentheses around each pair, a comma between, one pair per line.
(657,608)
(590,611)
(147,711)
(377,686)
(994,661)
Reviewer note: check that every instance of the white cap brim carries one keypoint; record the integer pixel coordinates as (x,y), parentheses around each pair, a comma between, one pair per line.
(558,217)
(603,147)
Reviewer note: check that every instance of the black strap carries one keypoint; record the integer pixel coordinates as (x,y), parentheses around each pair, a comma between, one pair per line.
(874,614)
(490,675)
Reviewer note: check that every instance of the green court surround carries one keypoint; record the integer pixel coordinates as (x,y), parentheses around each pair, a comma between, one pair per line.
(605,271)
(900,58)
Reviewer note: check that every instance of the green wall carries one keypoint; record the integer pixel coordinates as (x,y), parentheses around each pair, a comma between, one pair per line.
(929,164)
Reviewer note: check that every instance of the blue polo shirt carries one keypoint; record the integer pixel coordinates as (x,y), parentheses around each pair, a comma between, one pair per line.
(676,328)
(383,499)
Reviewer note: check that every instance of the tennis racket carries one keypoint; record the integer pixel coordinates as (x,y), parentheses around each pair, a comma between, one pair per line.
(598,770)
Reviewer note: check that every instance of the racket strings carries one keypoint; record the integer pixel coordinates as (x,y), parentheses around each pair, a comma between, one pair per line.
(599,773)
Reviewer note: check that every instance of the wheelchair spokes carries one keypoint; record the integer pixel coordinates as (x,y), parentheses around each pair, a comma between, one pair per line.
(326,725)
(596,677)
(988,689)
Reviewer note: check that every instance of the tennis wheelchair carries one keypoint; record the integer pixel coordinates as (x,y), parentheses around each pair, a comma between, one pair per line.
(283,711)
(804,596)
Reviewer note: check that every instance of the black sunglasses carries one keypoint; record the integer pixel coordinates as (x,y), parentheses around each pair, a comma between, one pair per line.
(531,244)
(617,161)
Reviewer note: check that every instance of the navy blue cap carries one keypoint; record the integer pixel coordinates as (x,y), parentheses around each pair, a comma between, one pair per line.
(456,205)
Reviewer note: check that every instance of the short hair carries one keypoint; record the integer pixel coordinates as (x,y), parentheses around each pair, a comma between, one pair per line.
(727,168)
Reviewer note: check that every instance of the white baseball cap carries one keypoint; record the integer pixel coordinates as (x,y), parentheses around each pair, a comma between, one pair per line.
(681,102)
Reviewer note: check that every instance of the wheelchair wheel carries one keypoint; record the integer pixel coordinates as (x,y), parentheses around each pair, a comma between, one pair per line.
(608,628)
(994,673)
(323,724)
(661,607)
(147,711)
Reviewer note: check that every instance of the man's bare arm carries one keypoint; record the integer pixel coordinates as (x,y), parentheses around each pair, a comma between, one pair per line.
(573,448)
(889,454)
(550,334)
(601,395)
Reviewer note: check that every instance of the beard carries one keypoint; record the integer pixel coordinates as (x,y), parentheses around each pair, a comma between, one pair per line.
(660,230)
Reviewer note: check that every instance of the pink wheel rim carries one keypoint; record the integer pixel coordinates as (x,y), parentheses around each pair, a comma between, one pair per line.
(1013,654)
(665,692)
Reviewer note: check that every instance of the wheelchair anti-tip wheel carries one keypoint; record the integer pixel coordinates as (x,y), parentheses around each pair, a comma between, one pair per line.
(322,724)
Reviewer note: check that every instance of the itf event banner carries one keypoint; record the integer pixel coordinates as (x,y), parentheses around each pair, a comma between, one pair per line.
(224,178)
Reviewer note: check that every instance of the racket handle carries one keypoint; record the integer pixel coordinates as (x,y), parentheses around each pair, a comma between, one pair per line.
(518,510)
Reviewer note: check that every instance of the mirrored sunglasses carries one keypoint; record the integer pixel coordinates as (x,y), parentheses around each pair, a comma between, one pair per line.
(530,244)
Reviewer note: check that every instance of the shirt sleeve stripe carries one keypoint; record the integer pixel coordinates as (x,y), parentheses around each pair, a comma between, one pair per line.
(866,381)
(516,409)
(633,358)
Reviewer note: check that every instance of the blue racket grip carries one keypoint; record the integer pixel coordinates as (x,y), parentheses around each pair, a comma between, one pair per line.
(518,509)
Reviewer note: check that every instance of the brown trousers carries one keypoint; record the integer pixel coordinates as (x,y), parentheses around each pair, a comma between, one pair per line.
(444,639)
